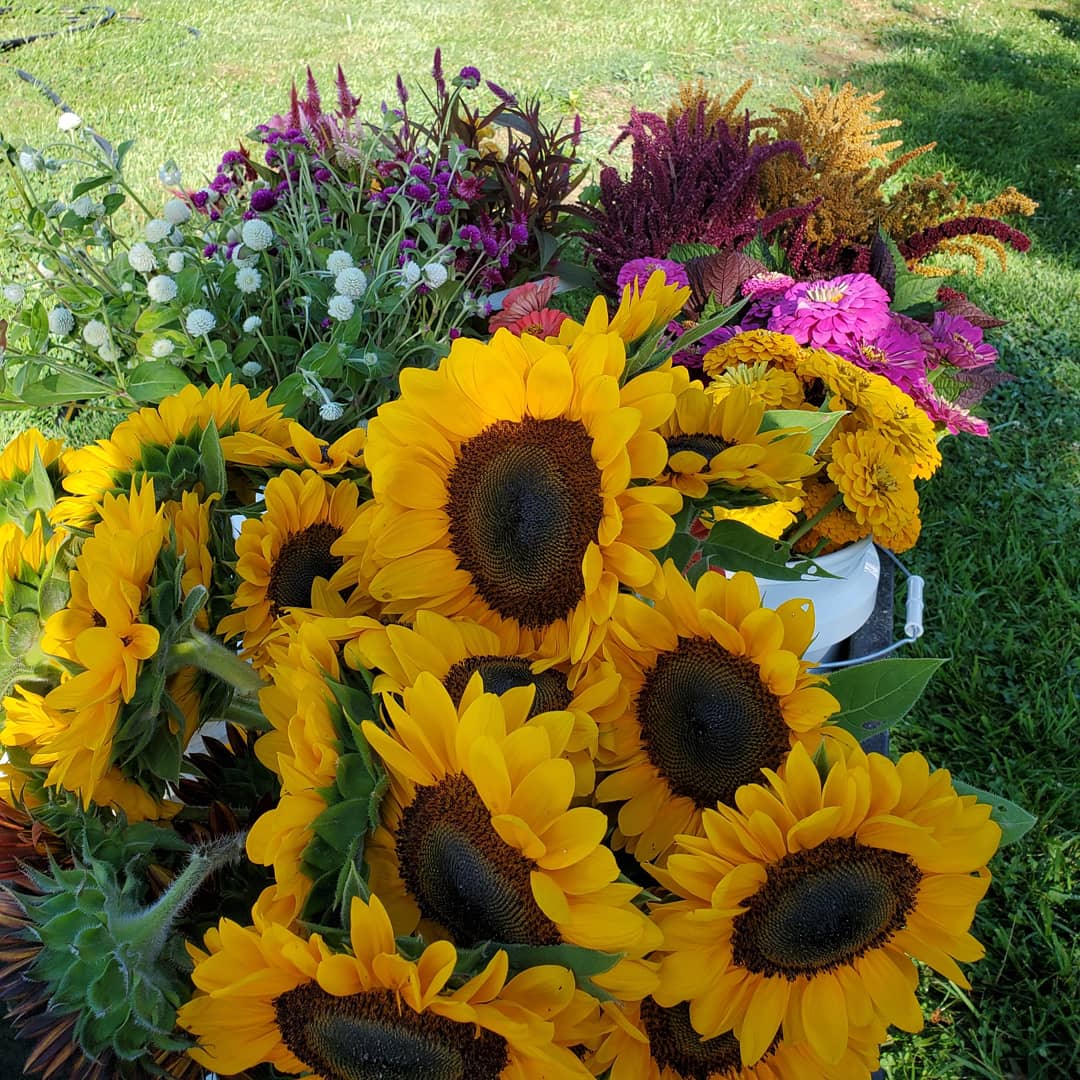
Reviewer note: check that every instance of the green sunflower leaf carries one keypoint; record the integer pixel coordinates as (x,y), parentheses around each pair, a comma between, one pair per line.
(875,695)
(819,424)
(584,963)
(734,546)
(1014,820)
(212,461)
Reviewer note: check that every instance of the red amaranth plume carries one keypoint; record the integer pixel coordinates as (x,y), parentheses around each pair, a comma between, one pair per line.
(921,244)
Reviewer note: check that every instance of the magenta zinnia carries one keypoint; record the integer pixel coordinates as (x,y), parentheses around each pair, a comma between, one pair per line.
(830,314)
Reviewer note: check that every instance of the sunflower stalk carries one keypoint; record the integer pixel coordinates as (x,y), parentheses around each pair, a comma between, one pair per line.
(204,652)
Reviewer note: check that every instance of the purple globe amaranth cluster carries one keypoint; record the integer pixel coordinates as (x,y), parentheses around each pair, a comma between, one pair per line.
(492,244)
(832,314)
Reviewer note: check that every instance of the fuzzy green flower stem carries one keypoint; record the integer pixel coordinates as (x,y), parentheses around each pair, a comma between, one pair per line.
(833,504)
(202,651)
(149,930)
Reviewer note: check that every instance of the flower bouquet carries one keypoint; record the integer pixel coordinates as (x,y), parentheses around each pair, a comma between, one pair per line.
(443,763)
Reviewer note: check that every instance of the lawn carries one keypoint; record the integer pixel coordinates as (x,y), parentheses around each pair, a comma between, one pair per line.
(997,85)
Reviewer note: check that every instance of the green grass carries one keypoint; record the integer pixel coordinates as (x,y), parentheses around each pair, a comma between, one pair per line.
(997,84)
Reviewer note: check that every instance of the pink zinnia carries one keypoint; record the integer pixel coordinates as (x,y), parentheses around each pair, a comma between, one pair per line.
(640,270)
(540,324)
(831,314)
(960,342)
(895,352)
(942,411)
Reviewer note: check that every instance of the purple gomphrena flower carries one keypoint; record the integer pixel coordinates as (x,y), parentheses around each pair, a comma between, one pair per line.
(455,333)
(444,208)
(326,323)
(422,289)
(249,214)
(420,171)
(490,244)
(470,76)
(232,157)
(895,352)
(199,199)
(215,215)
(322,176)
(420,192)
(263,199)
(640,270)
(221,183)
(960,342)
(271,157)
(468,187)
(292,134)
(209,251)
(471,235)
(829,314)
(407,244)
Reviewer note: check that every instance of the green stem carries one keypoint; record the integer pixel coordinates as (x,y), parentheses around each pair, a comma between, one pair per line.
(203,651)
(248,715)
(833,504)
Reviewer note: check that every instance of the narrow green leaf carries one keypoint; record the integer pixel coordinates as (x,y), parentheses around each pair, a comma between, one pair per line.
(212,461)
(875,695)
(1014,820)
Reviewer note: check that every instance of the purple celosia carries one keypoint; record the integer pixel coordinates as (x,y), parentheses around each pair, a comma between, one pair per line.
(468,187)
(894,352)
(831,314)
(960,342)
(640,270)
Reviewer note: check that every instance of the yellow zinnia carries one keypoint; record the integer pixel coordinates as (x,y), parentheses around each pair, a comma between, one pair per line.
(877,486)
(478,834)
(267,995)
(800,908)
(504,488)
(719,443)
(718,692)
(779,351)
(773,387)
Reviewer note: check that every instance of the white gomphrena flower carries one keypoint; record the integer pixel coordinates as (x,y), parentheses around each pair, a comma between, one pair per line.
(241,257)
(337,261)
(69,121)
(331,411)
(156,230)
(95,333)
(340,308)
(257,235)
(251,324)
(126,287)
(175,262)
(142,258)
(28,161)
(410,273)
(161,348)
(14,294)
(45,270)
(161,289)
(84,207)
(176,211)
(434,274)
(248,280)
(250,369)
(199,321)
(109,353)
(351,282)
(61,321)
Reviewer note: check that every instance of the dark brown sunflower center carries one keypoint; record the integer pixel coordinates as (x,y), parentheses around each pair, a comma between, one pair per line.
(708,722)
(462,874)
(824,907)
(708,446)
(675,1044)
(502,673)
(524,503)
(303,557)
(371,1036)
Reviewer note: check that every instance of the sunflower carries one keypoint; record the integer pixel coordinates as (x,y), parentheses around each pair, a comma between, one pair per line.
(503,486)
(252,433)
(304,750)
(191,523)
(268,995)
(877,486)
(651,1042)
(800,908)
(750,347)
(774,387)
(281,554)
(453,649)
(477,834)
(717,693)
(17,458)
(718,442)
(641,310)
